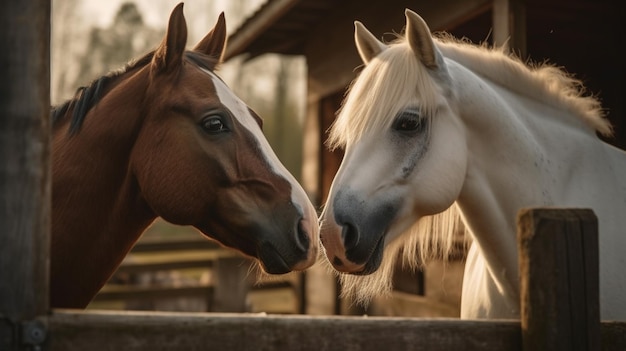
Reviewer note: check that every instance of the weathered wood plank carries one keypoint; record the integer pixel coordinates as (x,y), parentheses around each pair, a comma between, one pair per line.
(155,331)
(178,244)
(613,336)
(142,267)
(24,157)
(559,279)
(130,292)
(97,331)
(24,170)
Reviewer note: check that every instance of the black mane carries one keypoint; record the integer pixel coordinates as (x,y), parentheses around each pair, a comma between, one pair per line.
(86,97)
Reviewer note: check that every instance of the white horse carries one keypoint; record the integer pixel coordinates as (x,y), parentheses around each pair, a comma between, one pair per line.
(436,129)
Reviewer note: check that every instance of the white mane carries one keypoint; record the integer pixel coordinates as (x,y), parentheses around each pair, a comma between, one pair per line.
(395,79)
(542,82)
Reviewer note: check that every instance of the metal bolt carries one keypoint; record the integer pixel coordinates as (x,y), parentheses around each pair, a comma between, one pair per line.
(33,332)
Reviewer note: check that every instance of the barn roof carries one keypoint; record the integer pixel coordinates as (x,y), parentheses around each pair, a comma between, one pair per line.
(278,26)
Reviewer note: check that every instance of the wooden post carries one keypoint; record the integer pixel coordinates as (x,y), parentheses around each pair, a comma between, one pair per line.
(509,25)
(231,284)
(24,171)
(559,282)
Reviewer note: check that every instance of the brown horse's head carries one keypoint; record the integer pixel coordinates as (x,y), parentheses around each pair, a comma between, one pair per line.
(201,158)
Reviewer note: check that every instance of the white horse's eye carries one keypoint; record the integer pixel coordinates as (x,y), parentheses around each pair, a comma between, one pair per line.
(410,122)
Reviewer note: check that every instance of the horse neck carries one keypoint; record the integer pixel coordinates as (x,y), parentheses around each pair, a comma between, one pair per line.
(97,210)
(502,178)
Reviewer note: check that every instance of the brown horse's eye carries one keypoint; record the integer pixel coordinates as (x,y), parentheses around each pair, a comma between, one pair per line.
(214,124)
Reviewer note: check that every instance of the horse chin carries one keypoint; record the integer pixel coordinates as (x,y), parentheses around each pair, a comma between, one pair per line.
(373,263)
(370,266)
(271,261)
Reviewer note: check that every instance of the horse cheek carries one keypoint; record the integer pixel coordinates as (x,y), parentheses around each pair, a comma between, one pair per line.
(167,183)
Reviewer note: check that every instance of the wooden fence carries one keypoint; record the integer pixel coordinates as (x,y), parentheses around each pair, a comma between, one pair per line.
(559,296)
(560,311)
(550,250)
(229,286)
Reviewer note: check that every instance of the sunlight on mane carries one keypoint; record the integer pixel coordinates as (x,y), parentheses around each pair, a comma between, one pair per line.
(394,79)
(539,81)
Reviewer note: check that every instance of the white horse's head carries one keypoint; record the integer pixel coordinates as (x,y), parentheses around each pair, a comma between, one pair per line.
(405,148)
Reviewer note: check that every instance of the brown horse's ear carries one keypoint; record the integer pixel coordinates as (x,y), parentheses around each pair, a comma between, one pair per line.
(214,43)
(169,55)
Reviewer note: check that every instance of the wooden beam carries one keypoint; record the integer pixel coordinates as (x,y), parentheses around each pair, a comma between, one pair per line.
(331,53)
(24,170)
(177,244)
(251,29)
(131,292)
(509,25)
(559,279)
(156,331)
(142,267)
(97,331)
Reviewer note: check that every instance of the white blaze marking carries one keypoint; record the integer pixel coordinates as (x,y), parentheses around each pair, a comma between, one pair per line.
(240,111)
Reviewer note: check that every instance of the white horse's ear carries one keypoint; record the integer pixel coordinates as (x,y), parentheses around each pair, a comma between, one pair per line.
(419,38)
(366,43)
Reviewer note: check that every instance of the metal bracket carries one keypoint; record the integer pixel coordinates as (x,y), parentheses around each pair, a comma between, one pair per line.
(34,334)
(25,335)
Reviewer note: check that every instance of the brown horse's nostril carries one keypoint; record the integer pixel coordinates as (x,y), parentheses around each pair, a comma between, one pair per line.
(337,262)
(302,236)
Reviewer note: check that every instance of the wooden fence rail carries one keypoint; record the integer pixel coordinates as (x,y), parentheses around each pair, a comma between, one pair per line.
(200,331)
(226,291)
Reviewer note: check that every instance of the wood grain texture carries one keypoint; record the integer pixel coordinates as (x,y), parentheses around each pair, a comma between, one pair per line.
(558,250)
(24,158)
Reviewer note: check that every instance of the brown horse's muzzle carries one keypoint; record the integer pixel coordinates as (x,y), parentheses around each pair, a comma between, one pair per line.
(281,235)
(281,248)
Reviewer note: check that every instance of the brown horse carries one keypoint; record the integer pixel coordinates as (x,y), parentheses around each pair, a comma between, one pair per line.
(166,137)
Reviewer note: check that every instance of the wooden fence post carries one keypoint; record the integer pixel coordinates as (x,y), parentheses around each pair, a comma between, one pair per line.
(559,281)
(231,284)
(24,171)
